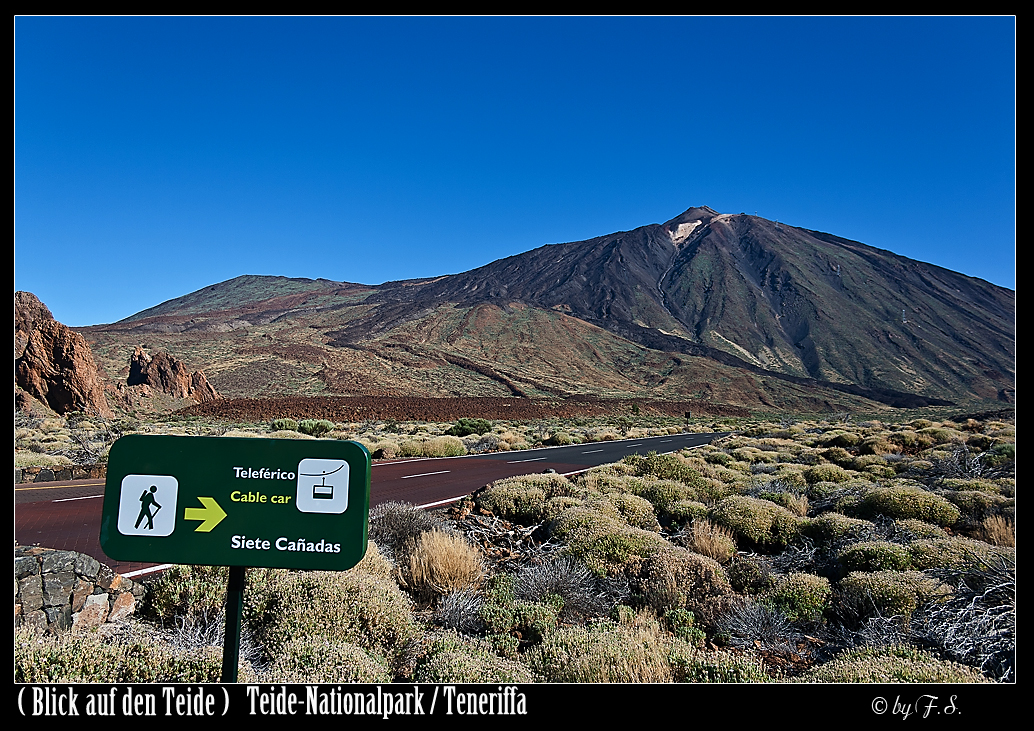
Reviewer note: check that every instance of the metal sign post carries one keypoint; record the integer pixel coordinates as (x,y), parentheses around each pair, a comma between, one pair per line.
(237,502)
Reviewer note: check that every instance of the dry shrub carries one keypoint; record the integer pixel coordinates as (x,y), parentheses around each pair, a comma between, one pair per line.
(998,531)
(708,539)
(461,611)
(87,657)
(896,664)
(395,526)
(635,650)
(447,657)
(443,563)
(674,578)
(977,625)
(758,625)
(444,446)
(584,594)
(308,659)
(360,606)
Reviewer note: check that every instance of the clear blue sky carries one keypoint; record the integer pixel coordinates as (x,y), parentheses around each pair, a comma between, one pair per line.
(156,156)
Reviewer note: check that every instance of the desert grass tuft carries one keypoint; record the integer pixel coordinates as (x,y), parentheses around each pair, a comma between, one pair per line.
(443,563)
(998,531)
(711,540)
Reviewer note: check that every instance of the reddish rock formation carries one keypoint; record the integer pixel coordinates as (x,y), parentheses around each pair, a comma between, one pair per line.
(55,364)
(169,375)
(28,313)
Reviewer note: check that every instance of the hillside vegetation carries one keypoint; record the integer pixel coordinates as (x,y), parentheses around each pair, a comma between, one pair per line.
(814,551)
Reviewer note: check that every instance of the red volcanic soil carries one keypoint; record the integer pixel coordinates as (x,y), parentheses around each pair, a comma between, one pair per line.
(385,408)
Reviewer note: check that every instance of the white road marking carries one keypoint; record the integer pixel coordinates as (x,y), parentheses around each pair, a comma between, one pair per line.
(592,451)
(66,499)
(518,461)
(442,502)
(151,570)
(425,474)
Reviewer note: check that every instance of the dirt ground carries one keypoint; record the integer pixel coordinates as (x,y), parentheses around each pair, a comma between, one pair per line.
(385,408)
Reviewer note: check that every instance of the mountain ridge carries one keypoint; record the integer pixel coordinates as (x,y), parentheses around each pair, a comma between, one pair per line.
(804,306)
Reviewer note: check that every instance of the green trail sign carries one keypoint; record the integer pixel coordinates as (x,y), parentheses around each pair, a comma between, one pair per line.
(224,501)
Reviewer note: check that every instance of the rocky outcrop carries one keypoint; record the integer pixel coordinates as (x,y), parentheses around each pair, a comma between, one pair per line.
(55,365)
(169,375)
(62,590)
(28,313)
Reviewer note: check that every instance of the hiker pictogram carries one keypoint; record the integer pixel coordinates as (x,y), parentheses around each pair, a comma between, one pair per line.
(147,505)
(146,501)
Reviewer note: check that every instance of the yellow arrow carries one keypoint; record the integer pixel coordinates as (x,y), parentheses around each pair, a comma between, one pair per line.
(211,514)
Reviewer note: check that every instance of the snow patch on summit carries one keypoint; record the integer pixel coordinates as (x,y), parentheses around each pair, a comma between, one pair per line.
(683,231)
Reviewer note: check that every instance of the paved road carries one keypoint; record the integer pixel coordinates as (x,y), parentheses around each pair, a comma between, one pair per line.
(67,515)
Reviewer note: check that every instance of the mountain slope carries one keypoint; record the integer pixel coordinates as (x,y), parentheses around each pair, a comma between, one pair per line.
(755,299)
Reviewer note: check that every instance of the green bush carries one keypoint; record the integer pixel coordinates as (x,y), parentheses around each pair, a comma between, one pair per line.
(522,499)
(839,456)
(892,664)
(637,511)
(315,428)
(952,552)
(189,593)
(761,522)
(283,425)
(466,427)
(906,501)
(701,666)
(976,505)
(750,575)
(634,650)
(1000,455)
(682,624)
(308,659)
(826,473)
(874,556)
(840,439)
(558,439)
(356,606)
(663,466)
(721,458)
(603,540)
(526,621)
(86,657)
(888,593)
(448,657)
(801,596)
(674,578)
(831,528)
(667,496)
(915,529)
